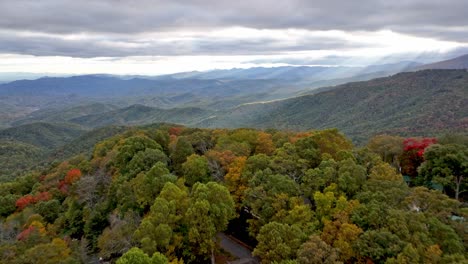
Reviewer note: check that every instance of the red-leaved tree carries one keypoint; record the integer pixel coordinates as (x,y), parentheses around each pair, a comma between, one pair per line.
(413,154)
(28,199)
(25,233)
(175,131)
(72,176)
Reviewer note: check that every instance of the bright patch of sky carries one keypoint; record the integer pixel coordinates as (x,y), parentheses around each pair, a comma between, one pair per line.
(190,50)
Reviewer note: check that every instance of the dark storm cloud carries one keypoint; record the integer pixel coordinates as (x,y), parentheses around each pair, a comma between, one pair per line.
(122,20)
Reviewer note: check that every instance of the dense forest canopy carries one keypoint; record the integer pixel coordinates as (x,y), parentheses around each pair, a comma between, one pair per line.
(162,194)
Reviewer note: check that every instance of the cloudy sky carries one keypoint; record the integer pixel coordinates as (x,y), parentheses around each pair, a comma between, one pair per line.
(156,37)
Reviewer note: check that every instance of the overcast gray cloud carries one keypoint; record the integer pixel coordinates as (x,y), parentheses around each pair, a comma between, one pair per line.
(162,44)
(71,16)
(122,28)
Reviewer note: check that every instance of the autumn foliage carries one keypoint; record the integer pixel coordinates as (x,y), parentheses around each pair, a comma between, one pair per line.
(418,144)
(26,200)
(264,144)
(234,181)
(307,197)
(413,151)
(225,158)
(25,233)
(72,176)
(175,131)
(35,227)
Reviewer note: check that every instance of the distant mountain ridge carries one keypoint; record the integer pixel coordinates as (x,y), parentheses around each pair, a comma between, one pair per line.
(20,100)
(104,87)
(57,99)
(219,82)
(423,102)
(304,73)
(460,62)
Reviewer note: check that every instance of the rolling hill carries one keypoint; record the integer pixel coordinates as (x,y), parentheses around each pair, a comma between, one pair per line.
(54,115)
(423,102)
(84,144)
(42,135)
(27,146)
(17,157)
(140,114)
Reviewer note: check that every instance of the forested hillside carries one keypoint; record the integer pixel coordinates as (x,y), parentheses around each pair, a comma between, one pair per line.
(37,144)
(46,135)
(413,103)
(17,157)
(162,193)
(54,115)
(140,115)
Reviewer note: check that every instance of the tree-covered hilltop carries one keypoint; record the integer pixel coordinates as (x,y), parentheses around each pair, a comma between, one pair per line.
(26,146)
(162,194)
(42,135)
(38,144)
